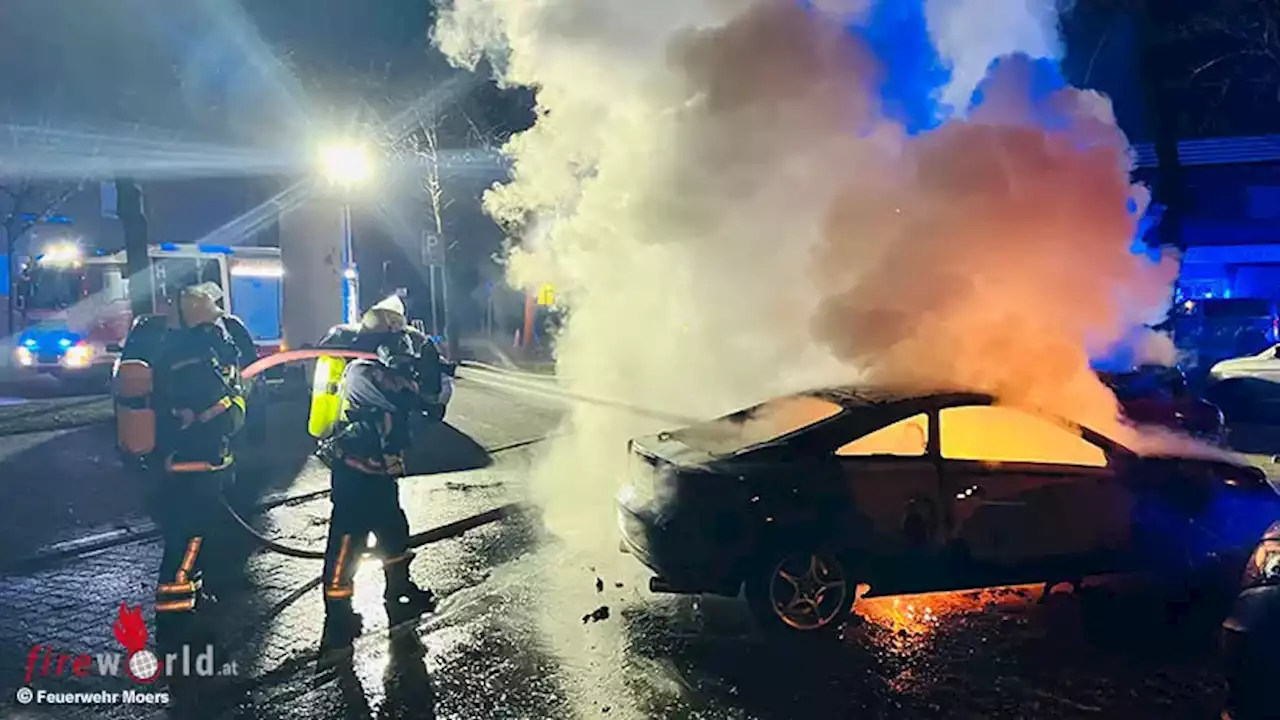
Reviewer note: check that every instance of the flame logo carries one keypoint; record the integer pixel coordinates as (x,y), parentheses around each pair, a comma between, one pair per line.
(130,629)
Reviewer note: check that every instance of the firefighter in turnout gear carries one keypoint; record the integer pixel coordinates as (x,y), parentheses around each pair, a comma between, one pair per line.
(365,454)
(198,405)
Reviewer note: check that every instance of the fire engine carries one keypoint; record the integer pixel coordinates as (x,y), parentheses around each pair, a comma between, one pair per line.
(75,304)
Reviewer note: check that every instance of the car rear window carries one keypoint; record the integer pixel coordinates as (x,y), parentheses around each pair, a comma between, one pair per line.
(1142,385)
(763,423)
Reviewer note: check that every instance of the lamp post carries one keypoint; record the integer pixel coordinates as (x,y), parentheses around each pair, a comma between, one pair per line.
(347,165)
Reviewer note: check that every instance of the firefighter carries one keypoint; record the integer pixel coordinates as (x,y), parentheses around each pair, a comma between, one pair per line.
(197,380)
(383,322)
(365,455)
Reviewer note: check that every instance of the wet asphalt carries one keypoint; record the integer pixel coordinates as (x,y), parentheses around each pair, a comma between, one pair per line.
(533,627)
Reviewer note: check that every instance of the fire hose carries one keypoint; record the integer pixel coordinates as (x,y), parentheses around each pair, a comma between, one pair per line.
(507,381)
(435,534)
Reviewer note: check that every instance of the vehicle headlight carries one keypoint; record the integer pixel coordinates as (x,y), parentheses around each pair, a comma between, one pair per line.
(1263,567)
(78,356)
(24,357)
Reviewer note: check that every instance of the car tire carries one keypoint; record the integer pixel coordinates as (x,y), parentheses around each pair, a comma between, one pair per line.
(801,591)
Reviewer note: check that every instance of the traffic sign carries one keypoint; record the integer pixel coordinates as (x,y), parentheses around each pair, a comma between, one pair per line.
(547,294)
(433,248)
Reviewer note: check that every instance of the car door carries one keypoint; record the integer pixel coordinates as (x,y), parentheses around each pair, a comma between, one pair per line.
(1028,496)
(892,480)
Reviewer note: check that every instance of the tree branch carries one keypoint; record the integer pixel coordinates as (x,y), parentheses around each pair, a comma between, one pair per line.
(53,203)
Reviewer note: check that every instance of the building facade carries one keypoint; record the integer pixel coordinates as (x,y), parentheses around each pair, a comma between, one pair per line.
(1231,216)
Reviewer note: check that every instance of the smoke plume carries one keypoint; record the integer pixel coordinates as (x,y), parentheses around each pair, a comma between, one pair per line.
(728,213)
(969,34)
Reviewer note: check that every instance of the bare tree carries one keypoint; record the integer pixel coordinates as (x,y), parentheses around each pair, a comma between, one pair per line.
(428,149)
(1250,31)
(435,245)
(1232,55)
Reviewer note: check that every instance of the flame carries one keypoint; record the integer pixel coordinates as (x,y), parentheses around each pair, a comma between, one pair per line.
(130,629)
(920,615)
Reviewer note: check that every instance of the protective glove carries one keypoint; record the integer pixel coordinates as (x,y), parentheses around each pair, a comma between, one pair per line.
(394,465)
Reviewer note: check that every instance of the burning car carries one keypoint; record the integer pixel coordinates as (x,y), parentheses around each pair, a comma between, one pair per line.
(1152,395)
(804,498)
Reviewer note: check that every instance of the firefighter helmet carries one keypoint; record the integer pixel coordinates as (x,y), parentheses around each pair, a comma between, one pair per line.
(198,304)
(386,316)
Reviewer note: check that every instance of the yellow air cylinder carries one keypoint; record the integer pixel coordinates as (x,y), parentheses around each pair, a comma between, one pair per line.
(325,403)
(135,415)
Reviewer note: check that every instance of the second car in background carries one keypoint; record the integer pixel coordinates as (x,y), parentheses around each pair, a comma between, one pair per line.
(1154,395)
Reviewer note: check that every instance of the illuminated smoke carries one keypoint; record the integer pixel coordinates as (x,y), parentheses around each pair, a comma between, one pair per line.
(728,213)
(969,34)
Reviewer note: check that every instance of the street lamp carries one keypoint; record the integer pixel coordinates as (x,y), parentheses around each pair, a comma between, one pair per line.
(347,165)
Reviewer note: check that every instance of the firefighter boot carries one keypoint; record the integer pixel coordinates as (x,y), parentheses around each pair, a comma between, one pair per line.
(405,600)
(342,626)
(194,626)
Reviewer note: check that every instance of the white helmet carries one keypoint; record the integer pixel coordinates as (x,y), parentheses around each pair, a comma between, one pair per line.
(198,304)
(386,316)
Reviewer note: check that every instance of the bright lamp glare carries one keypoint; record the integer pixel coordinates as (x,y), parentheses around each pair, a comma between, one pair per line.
(78,356)
(346,163)
(61,254)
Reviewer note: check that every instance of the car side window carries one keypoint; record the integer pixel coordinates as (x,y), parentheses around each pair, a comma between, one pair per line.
(1000,434)
(908,437)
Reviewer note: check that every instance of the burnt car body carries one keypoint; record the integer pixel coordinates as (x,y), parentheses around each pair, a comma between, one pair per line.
(1251,633)
(1161,396)
(803,498)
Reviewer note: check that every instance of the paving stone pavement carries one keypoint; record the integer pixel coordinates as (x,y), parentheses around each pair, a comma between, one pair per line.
(272,626)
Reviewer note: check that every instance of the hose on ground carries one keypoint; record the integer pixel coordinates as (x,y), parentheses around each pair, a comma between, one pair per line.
(436,534)
(427,536)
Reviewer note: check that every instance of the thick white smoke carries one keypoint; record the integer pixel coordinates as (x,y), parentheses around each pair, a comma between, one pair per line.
(728,215)
(969,34)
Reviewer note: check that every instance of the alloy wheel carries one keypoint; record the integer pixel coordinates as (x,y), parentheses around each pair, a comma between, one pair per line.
(808,591)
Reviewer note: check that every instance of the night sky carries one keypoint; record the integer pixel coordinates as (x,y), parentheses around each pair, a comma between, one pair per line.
(198,68)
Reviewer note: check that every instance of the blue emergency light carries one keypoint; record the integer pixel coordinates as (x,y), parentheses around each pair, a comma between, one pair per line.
(49,339)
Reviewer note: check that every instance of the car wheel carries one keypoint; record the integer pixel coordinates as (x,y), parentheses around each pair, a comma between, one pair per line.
(808,591)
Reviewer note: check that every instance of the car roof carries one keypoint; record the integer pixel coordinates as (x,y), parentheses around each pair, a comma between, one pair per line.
(853,397)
